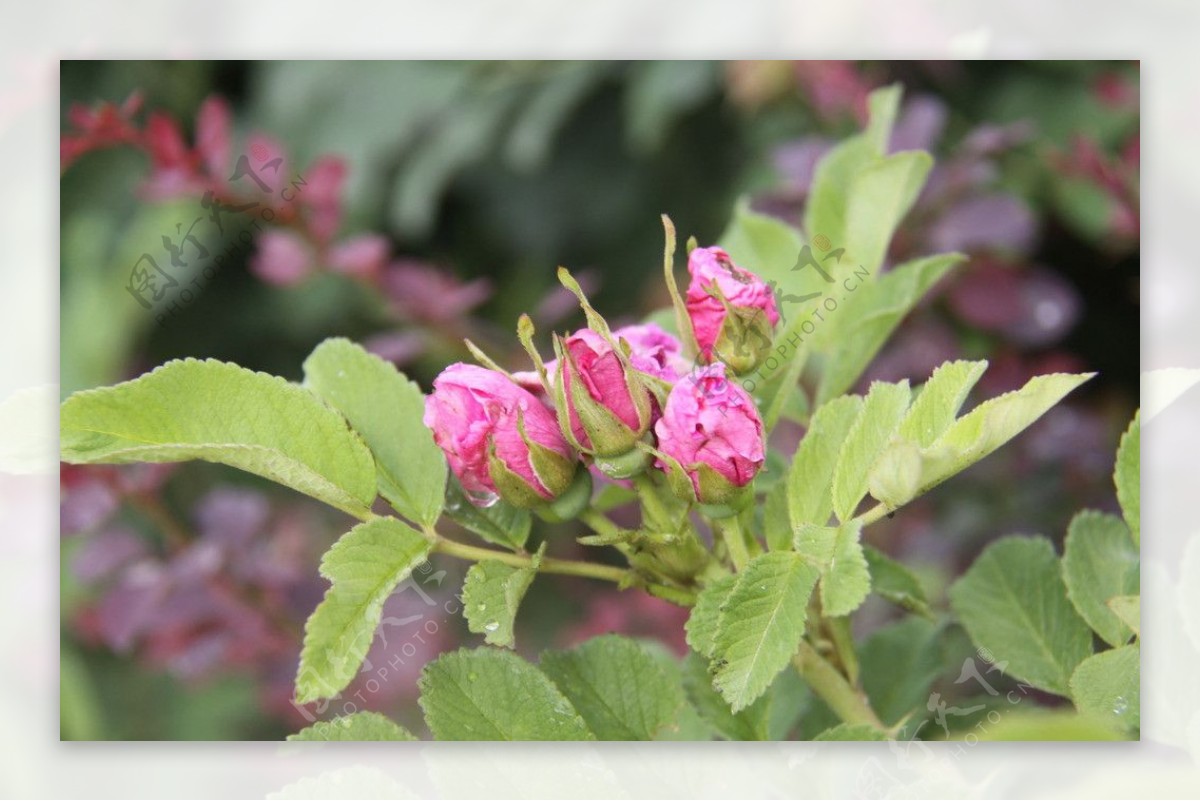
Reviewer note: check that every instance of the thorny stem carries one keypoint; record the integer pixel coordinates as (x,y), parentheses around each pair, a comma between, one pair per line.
(832,687)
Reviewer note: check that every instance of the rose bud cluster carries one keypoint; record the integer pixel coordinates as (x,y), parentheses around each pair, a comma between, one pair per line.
(618,400)
(732,310)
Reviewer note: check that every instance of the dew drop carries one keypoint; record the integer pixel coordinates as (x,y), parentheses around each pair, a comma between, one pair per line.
(483,498)
(491,626)
(482,607)
(471,677)
(1120,705)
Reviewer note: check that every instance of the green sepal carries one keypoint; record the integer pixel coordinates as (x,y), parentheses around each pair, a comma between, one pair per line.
(716,490)
(555,471)
(595,321)
(560,401)
(683,321)
(551,469)
(626,465)
(525,332)
(571,503)
(484,359)
(512,487)
(677,478)
(745,338)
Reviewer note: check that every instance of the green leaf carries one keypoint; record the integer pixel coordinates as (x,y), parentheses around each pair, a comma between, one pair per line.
(938,401)
(500,524)
(869,316)
(749,724)
(1127,477)
(222,413)
(846,581)
(826,211)
(881,413)
(771,717)
(899,663)
(364,566)
(993,423)
(1129,609)
(767,247)
(492,694)
(811,474)
(618,687)
(816,544)
(761,625)
(895,583)
(701,626)
(895,476)
(1048,725)
(777,524)
(1099,562)
(879,197)
(386,409)
(1108,685)
(850,732)
(357,727)
(1013,603)
(491,596)
(691,726)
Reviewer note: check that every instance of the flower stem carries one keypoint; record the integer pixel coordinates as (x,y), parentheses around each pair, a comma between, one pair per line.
(735,542)
(600,524)
(874,514)
(566,567)
(651,503)
(832,687)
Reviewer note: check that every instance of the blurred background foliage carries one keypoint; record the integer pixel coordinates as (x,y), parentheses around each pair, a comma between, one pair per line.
(184,589)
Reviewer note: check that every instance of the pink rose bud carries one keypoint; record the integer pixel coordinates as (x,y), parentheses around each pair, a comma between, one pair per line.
(606,401)
(732,310)
(499,439)
(710,437)
(654,351)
